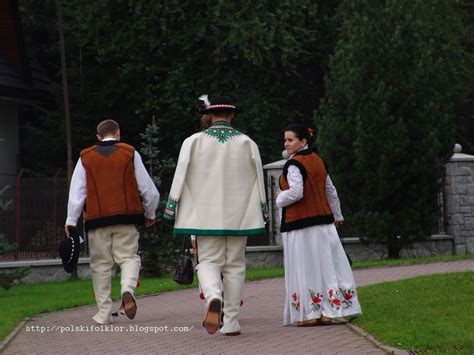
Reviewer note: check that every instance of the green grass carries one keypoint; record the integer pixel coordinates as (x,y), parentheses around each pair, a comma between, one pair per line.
(26,300)
(409,261)
(426,313)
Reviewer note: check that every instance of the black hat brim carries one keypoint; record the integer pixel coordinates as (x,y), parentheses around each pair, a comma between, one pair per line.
(69,250)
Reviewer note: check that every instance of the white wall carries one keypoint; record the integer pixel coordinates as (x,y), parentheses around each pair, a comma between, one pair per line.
(9,141)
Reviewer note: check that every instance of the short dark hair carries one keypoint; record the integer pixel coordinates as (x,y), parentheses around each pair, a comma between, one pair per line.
(107,126)
(221,113)
(300,130)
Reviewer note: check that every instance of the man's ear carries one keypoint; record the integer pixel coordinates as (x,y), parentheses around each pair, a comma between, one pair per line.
(99,137)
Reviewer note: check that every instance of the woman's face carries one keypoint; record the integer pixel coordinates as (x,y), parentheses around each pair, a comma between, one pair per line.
(292,143)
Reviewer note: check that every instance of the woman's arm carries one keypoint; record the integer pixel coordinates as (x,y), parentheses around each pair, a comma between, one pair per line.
(333,200)
(295,192)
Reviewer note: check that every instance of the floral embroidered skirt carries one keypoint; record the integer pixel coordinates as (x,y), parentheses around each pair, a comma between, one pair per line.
(318,277)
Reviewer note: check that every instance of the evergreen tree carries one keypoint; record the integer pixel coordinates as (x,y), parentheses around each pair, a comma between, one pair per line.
(388,119)
(158,246)
(133,59)
(8,278)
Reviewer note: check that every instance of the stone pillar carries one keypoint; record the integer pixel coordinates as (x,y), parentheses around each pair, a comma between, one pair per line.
(459,200)
(273,172)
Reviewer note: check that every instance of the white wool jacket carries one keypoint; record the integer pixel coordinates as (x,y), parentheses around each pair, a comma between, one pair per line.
(218,187)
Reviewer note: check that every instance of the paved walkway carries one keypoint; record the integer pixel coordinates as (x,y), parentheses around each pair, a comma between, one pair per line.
(261,322)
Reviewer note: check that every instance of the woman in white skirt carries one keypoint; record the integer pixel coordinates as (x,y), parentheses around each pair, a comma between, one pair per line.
(319,283)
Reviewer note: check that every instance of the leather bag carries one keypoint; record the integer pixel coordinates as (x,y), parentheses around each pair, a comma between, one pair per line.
(184,272)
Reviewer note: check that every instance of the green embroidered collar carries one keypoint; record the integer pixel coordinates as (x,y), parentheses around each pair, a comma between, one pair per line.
(222,131)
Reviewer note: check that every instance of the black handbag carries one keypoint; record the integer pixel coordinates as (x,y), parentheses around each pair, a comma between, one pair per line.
(184,272)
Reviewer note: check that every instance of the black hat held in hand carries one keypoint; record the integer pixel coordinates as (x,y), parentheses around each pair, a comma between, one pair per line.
(69,249)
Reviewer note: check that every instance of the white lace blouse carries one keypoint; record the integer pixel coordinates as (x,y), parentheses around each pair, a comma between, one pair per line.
(296,191)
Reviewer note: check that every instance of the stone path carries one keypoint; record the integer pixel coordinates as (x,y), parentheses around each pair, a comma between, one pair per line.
(170,323)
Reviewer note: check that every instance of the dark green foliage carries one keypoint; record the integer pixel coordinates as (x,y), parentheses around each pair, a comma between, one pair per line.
(134,59)
(8,278)
(158,247)
(395,81)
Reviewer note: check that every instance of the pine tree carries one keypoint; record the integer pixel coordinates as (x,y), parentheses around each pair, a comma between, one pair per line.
(8,278)
(388,117)
(157,246)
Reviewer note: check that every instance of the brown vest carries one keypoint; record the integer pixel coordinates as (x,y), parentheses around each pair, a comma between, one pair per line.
(112,191)
(313,208)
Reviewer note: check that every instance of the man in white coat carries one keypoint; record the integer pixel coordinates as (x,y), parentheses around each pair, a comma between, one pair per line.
(218,195)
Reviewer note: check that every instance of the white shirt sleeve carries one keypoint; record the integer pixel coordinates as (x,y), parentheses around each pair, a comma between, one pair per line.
(148,191)
(295,192)
(333,199)
(77,194)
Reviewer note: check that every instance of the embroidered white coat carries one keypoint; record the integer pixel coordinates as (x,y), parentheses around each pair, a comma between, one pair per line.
(218,187)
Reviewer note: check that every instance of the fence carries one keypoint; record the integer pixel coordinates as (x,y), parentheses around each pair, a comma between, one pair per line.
(34,221)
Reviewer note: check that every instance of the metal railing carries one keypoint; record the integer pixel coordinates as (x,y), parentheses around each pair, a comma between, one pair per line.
(34,220)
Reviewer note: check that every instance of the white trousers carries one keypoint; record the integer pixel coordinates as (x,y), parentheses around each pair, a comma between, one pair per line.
(119,244)
(223,256)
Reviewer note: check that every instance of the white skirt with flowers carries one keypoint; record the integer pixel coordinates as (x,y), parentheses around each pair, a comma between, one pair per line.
(318,277)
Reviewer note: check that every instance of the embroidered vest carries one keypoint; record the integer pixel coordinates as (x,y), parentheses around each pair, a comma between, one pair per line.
(112,191)
(313,208)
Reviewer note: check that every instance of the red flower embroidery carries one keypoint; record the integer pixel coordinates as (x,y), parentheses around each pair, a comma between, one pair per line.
(296,302)
(347,296)
(316,299)
(330,293)
(337,302)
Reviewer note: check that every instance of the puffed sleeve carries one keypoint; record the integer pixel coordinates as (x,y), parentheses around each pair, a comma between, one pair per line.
(333,199)
(296,190)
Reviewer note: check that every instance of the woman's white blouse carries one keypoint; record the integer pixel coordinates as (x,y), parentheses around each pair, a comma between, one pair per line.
(296,190)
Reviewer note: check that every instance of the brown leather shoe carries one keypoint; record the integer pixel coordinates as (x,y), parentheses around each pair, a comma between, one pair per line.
(324,320)
(129,305)
(307,323)
(212,320)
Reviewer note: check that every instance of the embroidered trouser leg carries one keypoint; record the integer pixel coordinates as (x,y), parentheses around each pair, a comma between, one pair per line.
(119,243)
(234,279)
(211,254)
(223,256)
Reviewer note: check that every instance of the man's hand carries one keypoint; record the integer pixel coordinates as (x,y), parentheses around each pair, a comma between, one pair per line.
(66,229)
(338,223)
(149,222)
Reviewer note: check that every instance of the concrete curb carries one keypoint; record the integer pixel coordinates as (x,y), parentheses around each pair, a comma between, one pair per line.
(388,349)
(12,334)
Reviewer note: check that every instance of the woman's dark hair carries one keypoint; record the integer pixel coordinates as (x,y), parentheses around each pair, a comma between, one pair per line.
(302,131)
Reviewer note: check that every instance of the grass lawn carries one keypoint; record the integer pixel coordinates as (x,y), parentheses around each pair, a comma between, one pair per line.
(26,300)
(409,261)
(426,313)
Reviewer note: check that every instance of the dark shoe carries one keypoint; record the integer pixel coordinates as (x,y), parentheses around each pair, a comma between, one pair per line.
(212,320)
(129,305)
(232,334)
